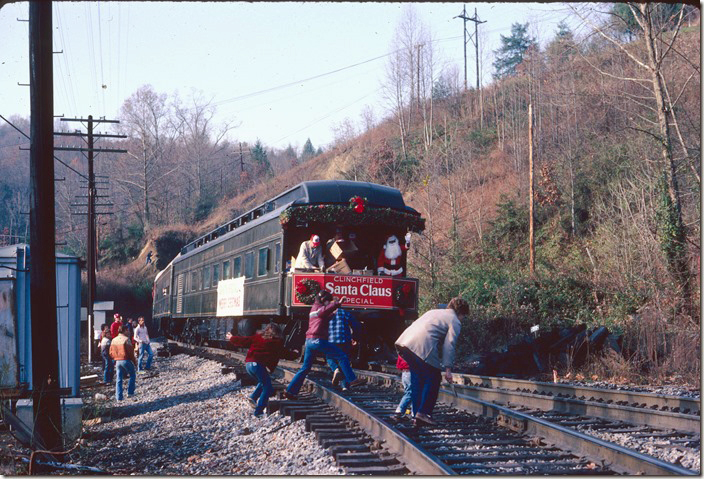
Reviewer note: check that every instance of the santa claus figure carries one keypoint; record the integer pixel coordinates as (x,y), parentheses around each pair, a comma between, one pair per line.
(392,259)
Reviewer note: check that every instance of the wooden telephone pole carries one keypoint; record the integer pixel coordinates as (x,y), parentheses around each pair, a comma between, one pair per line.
(476,21)
(91,245)
(42,272)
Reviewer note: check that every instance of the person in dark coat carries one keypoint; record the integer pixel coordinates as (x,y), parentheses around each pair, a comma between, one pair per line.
(264,352)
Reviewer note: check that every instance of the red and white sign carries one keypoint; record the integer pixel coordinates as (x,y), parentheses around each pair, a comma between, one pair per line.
(377,292)
(231,297)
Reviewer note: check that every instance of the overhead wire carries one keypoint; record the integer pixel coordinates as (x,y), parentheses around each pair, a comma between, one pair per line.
(27,136)
(100,50)
(66,57)
(91,55)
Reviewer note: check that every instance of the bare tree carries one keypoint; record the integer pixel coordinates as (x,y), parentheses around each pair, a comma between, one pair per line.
(145,118)
(650,60)
(202,146)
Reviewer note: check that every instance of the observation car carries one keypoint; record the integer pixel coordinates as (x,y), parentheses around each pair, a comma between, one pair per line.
(241,275)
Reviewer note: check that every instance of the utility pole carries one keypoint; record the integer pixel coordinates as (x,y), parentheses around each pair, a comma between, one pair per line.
(242,173)
(476,21)
(91,248)
(46,400)
(531,201)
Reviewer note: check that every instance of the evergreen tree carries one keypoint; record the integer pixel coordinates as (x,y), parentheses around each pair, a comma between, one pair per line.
(290,156)
(308,151)
(664,17)
(261,160)
(512,50)
(563,46)
(319,151)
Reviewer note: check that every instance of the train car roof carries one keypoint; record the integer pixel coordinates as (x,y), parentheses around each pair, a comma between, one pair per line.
(307,192)
(340,191)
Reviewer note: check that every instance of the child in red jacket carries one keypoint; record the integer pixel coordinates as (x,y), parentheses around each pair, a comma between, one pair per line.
(265,350)
(407,399)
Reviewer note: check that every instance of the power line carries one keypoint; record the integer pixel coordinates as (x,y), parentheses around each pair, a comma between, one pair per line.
(26,136)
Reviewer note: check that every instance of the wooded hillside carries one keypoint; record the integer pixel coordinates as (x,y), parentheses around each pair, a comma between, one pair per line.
(616,149)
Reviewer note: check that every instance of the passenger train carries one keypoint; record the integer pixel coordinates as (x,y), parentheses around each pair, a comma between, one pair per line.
(241,275)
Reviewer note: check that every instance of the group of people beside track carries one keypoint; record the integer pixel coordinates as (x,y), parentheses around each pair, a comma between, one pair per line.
(425,348)
(117,348)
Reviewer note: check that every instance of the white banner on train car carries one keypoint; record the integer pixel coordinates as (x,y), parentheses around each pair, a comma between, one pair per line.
(231,297)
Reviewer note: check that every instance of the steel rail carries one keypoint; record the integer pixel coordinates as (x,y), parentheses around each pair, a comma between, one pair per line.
(649,400)
(618,458)
(408,451)
(634,415)
(413,456)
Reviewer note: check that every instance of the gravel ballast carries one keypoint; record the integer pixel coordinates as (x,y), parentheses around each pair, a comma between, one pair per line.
(189,418)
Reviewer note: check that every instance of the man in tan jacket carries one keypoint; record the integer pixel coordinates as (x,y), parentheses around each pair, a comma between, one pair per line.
(427,345)
(122,352)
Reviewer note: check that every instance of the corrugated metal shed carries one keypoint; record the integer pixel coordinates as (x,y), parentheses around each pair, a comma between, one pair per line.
(15,263)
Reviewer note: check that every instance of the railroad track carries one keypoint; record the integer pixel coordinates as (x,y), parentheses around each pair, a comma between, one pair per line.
(473,436)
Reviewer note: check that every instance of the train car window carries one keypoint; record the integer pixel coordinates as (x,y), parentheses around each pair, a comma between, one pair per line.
(194,281)
(277,257)
(263,262)
(216,274)
(226,270)
(249,265)
(206,277)
(237,267)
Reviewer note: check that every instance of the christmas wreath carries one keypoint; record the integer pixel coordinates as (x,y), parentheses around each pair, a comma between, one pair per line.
(306,289)
(403,296)
(358,203)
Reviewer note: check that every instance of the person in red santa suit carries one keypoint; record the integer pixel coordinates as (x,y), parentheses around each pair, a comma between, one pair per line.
(392,258)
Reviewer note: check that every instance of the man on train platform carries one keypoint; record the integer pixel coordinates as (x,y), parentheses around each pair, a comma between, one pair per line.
(141,338)
(310,255)
(122,352)
(343,331)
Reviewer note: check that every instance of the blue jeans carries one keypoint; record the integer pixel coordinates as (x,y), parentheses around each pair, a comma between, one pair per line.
(315,347)
(125,368)
(425,382)
(335,363)
(108,367)
(145,348)
(264,388)
(407,399)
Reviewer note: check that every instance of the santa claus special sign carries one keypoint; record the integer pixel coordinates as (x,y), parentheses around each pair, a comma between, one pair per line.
(382,292)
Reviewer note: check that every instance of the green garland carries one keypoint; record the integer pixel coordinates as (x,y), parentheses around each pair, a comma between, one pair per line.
(344,214)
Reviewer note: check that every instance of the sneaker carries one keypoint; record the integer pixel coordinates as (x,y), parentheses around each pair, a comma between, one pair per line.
(290,396)
(252,402)
(336,377)
(424,419)
(398,414)
(141,371)
(357,382)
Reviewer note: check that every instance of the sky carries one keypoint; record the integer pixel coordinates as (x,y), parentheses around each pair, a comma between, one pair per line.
(277,72)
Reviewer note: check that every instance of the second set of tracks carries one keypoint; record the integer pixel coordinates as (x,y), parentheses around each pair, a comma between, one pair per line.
(507,435)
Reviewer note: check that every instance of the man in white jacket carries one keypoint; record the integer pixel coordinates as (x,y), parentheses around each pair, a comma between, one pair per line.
(141,337)
(427,345)
(310,255)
